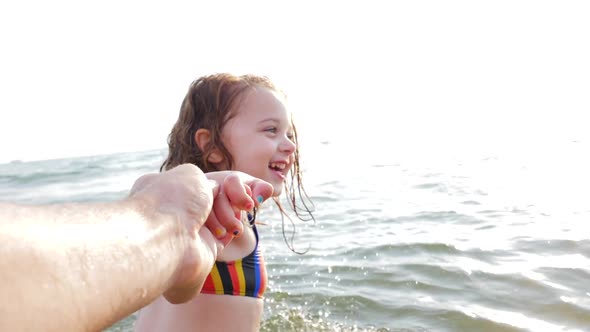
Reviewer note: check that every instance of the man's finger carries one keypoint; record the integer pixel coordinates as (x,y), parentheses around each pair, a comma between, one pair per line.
(140,183)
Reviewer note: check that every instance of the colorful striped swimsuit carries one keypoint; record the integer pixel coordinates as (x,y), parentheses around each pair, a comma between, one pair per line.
(242,277)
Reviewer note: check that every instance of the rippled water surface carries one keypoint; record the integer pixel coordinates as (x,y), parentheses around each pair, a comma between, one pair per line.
(486,243)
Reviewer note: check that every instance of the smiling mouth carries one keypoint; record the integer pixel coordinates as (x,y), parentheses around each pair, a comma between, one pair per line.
(279,168)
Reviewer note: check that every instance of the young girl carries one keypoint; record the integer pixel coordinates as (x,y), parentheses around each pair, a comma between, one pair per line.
(240,123)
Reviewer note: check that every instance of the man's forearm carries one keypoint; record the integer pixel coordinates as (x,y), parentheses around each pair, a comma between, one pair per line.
(83,267)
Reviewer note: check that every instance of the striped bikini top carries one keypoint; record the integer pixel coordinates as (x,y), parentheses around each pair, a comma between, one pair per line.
(242,277)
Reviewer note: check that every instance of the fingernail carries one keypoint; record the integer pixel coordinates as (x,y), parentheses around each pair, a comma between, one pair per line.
(259,198)
(219,232)
(249,206)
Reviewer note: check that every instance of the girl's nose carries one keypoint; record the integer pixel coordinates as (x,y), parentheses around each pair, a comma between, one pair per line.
(287,145)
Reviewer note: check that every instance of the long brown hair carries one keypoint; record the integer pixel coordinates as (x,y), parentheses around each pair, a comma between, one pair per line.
(209,104)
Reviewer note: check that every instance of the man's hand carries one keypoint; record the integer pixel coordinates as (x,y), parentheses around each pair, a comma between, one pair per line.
(196,199)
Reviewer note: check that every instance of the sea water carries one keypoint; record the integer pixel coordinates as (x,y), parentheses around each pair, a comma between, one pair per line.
(416,242)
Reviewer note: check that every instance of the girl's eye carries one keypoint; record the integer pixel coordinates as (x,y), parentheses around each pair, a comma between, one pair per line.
(290,136)
(271,130)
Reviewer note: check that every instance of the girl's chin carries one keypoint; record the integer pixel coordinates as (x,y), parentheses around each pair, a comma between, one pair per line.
(277,190)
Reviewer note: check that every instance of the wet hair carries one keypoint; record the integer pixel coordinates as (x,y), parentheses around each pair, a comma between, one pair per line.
(210,103)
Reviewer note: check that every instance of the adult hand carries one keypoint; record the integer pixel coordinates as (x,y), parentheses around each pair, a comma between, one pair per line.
(185,193)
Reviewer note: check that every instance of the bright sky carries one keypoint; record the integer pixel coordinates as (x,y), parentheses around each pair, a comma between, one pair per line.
(83,78)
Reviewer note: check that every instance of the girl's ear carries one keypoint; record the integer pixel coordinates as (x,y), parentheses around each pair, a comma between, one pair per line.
(202,138)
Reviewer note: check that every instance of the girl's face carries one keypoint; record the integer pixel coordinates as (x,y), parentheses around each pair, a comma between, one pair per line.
(259,137)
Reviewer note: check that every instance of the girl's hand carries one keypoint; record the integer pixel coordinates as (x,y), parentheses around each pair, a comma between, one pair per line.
(186,196)
(233,192)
